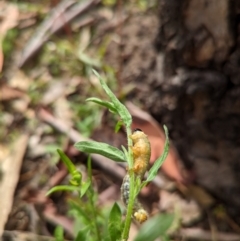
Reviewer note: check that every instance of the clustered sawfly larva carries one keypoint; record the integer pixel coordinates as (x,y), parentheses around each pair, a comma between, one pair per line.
(141,156)
(141,152)
(139,213)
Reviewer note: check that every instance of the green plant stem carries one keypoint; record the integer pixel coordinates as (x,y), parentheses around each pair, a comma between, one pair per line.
(129,133)
(95,223)
(94,213)
(128,219)
(90,195)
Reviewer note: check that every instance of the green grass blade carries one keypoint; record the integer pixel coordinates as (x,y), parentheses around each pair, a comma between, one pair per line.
(63,188)
(68,163)
(84,187)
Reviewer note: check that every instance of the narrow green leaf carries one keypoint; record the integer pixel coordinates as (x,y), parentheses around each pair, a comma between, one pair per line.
(115,215)
(68,163)
(118,126)
(121,109)
(125,153)
(80,209)
(89,61)
(137,187)
(104,103)
(63,188)
(89,168)
(158,163)
(155,227)
(115,223)
(83,234)
(59,233)
(101,148)
(84,187)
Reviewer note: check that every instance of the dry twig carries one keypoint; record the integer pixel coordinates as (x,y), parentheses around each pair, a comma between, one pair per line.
(10,171)
(62,14)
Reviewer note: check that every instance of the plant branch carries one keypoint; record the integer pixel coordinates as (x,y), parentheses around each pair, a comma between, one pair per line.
(128,219)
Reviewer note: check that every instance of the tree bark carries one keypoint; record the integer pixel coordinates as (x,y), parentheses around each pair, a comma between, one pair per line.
(199,90)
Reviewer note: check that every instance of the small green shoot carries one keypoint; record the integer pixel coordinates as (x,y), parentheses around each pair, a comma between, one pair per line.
(59,233)
(88,213)
(118,126)
(67,162)
(76,183)
(115,223)
(121,109)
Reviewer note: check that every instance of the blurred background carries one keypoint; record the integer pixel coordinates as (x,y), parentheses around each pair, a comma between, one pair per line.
(171,62)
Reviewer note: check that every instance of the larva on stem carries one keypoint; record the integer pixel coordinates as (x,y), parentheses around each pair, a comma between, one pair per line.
(139,213)
(141,152)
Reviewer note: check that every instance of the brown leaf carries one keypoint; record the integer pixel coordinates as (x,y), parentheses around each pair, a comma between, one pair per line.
(10,169)
(9,93)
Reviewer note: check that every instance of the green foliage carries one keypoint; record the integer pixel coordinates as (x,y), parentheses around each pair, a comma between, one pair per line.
(155,227)
(59,233)
(106,104)
(88,60)
(76,183)
(67,162)
(118,126)
(158,163)
(115,223)
(101,148)
(82,234)
(60,51)
(121,109)
(86,116)
(36,90)
(90,221)
(9,41)
(76,175)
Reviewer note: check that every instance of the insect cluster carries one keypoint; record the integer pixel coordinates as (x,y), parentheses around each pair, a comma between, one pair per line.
(141,155)
(139,213)
(141,152)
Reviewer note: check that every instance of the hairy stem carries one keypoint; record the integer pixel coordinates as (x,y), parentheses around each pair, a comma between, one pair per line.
(128,219)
